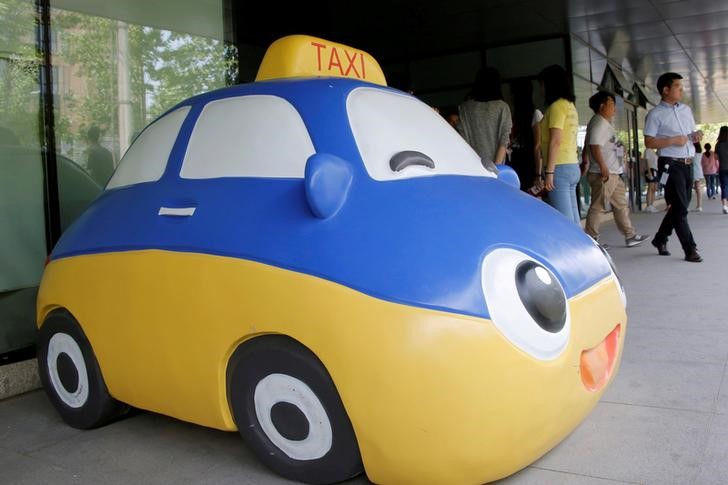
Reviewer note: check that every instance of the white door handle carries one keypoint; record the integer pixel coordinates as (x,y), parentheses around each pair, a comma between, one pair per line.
(176,211)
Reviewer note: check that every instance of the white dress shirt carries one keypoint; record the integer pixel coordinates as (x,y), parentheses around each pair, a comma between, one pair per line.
(666,120)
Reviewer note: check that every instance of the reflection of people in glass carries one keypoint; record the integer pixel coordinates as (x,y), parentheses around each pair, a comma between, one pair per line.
(100,163)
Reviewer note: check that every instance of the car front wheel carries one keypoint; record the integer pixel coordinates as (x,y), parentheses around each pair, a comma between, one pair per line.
(289,412)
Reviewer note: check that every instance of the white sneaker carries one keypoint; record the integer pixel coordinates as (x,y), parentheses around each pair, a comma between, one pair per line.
(725,209)
(651,209)
(635,240)
(698,209)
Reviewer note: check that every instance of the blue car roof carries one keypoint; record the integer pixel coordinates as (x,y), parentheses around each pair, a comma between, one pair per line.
(417,241)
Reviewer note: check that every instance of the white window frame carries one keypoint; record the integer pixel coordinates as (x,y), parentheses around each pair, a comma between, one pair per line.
(257,135)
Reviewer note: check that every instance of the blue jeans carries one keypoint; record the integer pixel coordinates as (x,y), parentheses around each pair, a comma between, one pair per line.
(711,182)
(723,175)
(563,197)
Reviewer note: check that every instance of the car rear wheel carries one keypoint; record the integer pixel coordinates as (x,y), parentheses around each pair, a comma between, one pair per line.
(71,375)
(289,412)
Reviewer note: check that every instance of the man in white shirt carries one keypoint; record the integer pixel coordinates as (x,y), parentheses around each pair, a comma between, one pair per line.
(605,172)
(670,128)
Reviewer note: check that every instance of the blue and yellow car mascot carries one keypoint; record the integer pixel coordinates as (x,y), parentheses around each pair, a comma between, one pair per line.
(321,263)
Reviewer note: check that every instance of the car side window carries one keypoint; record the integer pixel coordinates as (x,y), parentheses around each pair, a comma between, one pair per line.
(146,158)
(248,136)
(401,137)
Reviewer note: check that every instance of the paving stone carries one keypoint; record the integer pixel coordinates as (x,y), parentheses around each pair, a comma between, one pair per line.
(681,385)
(634,444)
(29,422)
(539,476)
(674,346)
(20,469)
(714,468)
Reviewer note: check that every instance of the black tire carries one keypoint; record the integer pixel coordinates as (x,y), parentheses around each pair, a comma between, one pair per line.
(294,439)
(71,376)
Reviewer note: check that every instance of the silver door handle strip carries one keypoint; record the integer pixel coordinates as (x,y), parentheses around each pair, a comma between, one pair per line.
(177,211)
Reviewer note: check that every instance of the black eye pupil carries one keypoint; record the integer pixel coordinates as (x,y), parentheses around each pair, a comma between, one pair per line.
(541,295)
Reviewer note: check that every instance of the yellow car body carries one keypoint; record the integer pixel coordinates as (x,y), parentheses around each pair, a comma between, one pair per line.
(455,401)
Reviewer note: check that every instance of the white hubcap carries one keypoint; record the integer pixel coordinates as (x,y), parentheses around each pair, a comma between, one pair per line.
(62,343)
(277,388)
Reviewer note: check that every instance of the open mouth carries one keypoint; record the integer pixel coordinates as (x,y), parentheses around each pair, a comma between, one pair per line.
(596,364)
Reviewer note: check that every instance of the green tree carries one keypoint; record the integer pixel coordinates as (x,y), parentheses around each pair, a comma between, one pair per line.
(186,65)
(710,132)
(19,71)
(164,68)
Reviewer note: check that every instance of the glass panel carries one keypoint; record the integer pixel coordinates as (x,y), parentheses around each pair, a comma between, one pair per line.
(583,90)
(114,77)
(111,77)
(623,124)
(22,216)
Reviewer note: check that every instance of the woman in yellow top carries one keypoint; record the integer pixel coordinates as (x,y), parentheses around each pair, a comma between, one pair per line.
(558,141)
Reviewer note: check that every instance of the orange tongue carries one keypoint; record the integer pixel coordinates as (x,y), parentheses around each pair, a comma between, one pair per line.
(597,363)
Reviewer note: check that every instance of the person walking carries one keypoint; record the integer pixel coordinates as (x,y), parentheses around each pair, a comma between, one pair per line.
(698,177)
(605,172)
(721,154)
(559,128)
(710,169)
(485,119)
(670,128)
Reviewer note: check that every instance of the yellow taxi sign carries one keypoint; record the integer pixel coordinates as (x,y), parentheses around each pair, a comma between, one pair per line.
(306,56)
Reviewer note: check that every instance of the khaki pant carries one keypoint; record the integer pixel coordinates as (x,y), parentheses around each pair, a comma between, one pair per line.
(614,191)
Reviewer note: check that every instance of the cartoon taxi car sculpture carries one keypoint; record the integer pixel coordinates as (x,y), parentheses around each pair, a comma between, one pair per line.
(321,263)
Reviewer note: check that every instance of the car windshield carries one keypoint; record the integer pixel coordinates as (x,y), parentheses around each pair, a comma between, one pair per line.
(400,137)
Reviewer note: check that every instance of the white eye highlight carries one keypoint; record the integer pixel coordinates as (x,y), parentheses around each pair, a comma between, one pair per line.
(526,303)
(543,275)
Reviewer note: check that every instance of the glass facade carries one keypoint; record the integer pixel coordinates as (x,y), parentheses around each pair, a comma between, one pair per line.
(22,194)
(112,74)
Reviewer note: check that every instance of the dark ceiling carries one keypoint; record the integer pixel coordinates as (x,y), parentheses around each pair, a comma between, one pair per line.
(642,37)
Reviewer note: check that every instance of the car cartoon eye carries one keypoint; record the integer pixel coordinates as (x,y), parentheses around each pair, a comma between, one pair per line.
(526,302)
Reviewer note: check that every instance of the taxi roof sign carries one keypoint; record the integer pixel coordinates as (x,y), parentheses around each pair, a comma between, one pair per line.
(306,56)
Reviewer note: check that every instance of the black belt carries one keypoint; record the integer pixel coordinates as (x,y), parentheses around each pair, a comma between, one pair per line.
(684,161)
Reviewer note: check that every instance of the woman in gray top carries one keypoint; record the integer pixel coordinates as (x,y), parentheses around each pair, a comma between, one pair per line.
(721,153)
(485,119)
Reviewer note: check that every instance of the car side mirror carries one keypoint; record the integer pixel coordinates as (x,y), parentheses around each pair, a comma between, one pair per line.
(327,181)
(509,176)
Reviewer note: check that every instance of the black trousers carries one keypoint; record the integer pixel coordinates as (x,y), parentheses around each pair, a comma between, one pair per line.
(677,195)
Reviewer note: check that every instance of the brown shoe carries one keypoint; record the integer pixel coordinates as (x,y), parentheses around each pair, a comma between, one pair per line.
(693,257)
